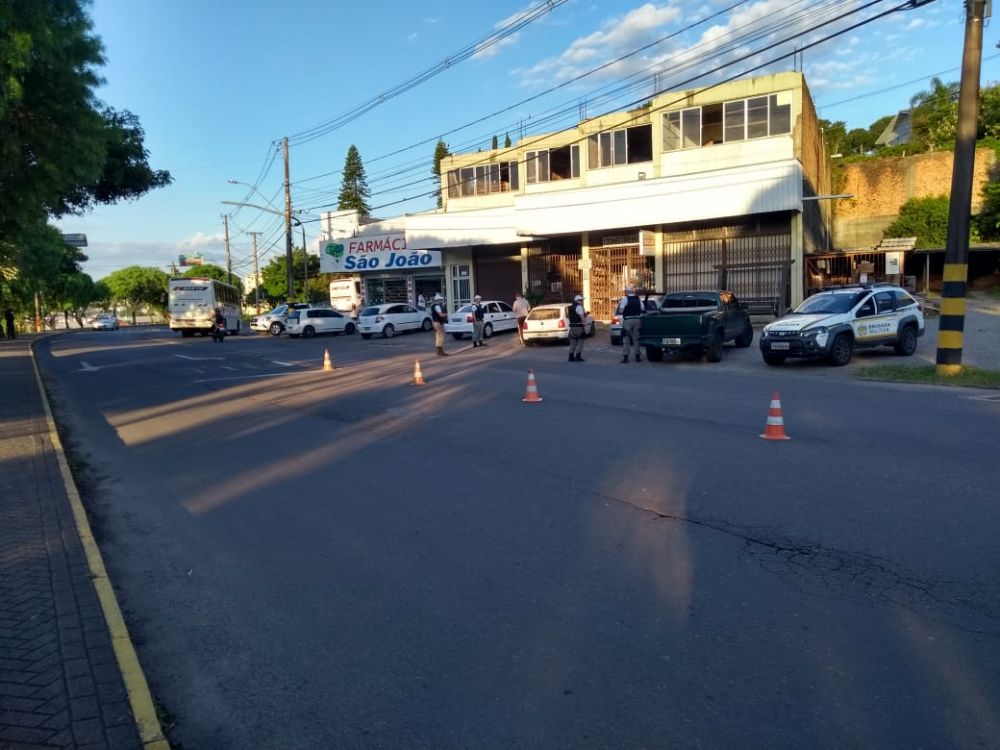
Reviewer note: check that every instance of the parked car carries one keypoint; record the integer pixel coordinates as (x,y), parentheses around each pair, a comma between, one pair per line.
(616,322)
(836,321)
(390,319)
(274,322)
(315,320)
(699,322)
(499,316)
(105,322)
(551,323)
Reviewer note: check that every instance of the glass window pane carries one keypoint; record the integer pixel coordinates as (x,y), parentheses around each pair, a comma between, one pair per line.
(757,117)
(454,190)
(735,130)
(711,124)
(671,131)
(593,162)
(575,158)
(543,166)
(481,182)
(531,166)
(691,127)
(494,172)
(621,151)
(468,181)
(781,115)
(606,150)
(514,184)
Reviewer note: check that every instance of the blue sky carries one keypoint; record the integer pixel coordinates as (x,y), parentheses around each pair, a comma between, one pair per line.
(216,84)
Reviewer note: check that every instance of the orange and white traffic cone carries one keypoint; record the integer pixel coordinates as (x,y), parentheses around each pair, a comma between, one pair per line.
(531,395)
(775,428)
(418,376)
(327,362)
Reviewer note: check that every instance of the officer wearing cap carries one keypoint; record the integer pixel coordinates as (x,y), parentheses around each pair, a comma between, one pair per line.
(631,309)
(577,316)
(478,320)
(439,316)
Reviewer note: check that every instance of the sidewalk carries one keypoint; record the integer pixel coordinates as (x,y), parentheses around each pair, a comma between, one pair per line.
(61,663)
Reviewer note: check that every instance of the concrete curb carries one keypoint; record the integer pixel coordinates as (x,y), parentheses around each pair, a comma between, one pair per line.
(140,699)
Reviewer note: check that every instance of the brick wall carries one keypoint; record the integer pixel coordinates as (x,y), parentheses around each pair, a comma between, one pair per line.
(882,186)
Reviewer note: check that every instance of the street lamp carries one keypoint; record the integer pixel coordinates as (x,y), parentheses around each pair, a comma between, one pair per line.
(287,215)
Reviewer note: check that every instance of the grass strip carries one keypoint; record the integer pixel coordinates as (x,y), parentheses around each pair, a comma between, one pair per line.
(970,377)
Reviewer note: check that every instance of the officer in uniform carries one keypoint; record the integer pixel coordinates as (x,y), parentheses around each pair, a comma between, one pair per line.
(631,309)
(577,315)
(478,321)
(439,316)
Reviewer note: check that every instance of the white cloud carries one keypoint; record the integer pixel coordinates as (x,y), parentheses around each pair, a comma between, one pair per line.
(105,257)
(412,36)
(916,23)
(484,53)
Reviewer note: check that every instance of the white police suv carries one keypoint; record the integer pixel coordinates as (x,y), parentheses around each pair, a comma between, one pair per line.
(836,321)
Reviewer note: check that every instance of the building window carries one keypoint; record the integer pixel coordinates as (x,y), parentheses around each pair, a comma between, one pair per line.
(461,286)
(738,120)
(552,164)
(617,147)
(483,179)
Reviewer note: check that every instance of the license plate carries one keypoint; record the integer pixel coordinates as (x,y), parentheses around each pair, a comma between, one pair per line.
(670,342)
(780,345)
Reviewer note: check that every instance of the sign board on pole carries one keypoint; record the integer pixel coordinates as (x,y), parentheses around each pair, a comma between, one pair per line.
(75,240)
(376,252)
(190,260)
(585,264)
(893,262)
(647,242)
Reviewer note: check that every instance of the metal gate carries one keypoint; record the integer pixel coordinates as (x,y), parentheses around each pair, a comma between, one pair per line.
(554,276)
(754,266)
(615,263)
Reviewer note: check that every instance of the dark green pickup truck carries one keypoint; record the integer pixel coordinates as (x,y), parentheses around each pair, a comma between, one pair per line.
(696,323)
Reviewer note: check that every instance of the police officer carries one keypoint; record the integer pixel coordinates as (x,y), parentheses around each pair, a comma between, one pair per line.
(631,308)
(577,316)
(439,316)
(478,320)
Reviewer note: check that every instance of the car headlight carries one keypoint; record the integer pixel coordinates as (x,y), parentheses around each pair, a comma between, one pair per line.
(764,332)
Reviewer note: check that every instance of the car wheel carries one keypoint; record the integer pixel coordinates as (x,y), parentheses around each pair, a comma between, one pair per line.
(841,350)
(654,354)
(774,359)
(487,330)
(713,352)
(308,332)
(907,343)
(746,338)
(426,325)
(275,328)
(366,336)
(458,336)
(187,334)
(616,341)
(389,331)
(350,328)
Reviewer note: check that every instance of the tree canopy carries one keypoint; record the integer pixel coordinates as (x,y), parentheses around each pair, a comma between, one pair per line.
(440,151)
(138,286)
(354,192)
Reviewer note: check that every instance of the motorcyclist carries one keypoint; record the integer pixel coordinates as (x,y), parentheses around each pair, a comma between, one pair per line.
(218,323)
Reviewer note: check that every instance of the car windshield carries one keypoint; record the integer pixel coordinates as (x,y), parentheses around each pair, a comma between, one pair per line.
(548,313)
(368,311)
(829,303)
(293,317)
(279,310)
(465,309)
(671,302)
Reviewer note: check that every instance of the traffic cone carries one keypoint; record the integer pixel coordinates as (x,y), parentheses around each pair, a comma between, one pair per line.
(531,395)
(418,376)
(327,363)
(775,428)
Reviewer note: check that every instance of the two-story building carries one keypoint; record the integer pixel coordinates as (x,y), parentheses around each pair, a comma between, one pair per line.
(705,188)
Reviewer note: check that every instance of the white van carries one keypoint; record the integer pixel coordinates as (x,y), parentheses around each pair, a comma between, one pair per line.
(345,295)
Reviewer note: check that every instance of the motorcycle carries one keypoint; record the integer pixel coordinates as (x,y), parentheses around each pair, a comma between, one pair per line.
(219,331)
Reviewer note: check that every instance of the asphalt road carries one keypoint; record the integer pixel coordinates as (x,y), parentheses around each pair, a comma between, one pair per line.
(310,559)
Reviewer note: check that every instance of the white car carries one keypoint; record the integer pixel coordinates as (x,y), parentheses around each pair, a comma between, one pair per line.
(315,320)
(106,322)
(833,323)
(551,323)
(499,316)
(390,319)
(273,322)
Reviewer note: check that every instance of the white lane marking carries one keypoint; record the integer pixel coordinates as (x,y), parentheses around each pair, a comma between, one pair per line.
(227,367)
(197,359)
(282,364)
(84,367)
(243,377)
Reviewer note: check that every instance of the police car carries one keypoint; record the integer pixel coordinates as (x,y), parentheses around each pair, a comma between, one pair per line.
(836,321)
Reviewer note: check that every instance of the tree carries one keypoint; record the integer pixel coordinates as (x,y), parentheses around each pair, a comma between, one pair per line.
(934,115)
(923,218)
(354,192)
(76,292)
(494,145)
(211,271)
(61,150)
(274,276)
(987,222)
(506,140)
(835,135)
(440,151)
(989,112)
(138,286)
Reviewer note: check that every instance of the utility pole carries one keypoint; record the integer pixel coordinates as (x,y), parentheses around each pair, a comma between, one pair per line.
(305,260)
(256,273)
(229,261)
(288,226)
(956,256)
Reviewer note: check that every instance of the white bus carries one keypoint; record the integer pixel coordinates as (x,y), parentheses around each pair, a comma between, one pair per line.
(345,295)
(192,301)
